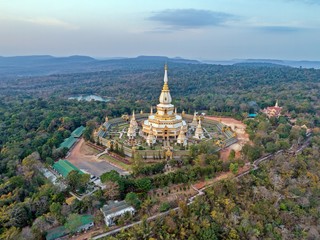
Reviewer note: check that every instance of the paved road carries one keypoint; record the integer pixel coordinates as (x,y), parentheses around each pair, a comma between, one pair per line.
(255,165)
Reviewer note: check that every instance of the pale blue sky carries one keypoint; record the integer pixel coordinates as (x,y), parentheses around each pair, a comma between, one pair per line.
(202,29)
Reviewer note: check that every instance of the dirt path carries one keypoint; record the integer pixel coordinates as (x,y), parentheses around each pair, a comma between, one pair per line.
(221,176)
(240,129)
(85,158)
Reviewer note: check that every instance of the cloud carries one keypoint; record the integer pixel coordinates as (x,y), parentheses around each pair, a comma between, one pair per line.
(176,19)
(279,29)
(49,22)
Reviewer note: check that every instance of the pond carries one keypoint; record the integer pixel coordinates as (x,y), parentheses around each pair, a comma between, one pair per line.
(89,98)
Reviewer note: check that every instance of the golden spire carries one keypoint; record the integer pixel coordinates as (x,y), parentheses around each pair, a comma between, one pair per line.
(165,96)
(165,79)
(165,87)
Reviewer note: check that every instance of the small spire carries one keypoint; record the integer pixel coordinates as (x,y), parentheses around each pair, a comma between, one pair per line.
(151,110)
(277,104)
(175,111)
(195,116)
(133,116)
(165,79)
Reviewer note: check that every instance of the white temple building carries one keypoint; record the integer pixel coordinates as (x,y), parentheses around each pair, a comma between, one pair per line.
(194,122)
(199,134)
(165,124)
(132,130)
(182,138)
(133,121)
(151,139)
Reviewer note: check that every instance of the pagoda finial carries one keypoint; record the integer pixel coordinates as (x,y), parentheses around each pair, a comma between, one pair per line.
(176,111)
(133,115)
(277,103)
(165,79)
(151,110)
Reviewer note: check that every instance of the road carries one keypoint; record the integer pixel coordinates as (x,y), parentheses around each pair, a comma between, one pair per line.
(255,166)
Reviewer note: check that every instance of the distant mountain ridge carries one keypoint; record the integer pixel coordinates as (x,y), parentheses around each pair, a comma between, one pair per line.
(289,63)
(39,65)
(47,65)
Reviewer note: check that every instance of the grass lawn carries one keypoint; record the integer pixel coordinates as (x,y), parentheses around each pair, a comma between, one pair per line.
(116,162)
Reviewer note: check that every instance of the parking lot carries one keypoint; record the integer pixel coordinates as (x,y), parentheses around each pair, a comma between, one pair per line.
(84,157)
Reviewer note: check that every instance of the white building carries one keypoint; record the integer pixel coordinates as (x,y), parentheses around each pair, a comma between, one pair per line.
(165,124)
(199,134)
(115,209)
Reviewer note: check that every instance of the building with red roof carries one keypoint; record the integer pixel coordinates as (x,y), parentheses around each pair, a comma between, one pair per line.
(274,111)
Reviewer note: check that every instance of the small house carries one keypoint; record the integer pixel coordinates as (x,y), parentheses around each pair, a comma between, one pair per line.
(115,209)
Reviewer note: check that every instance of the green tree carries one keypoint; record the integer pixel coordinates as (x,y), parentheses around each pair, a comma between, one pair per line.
(20,216)
(234,168)
(137,163)
(271,147)
(112,175)
(55,209)
(143,184)
(132,199)
(232,154)
(77,180)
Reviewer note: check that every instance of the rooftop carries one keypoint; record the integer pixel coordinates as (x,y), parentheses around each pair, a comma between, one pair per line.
(56,233)
(86,219)
(78,132)
(64,167)
(114,206)
(61,231)
(68,142)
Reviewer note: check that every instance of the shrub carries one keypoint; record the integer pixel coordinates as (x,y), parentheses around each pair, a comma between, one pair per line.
(164,207)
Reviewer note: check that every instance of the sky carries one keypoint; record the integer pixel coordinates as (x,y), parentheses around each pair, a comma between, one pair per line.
(194,29)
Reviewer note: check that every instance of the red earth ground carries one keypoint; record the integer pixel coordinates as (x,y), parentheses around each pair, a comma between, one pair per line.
(240,129)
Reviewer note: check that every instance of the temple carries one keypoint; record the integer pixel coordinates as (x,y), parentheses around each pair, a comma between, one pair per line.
(162,133)
(274,111)
(165,124)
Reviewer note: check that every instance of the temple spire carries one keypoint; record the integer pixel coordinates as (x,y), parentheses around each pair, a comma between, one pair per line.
(277,103)
(151,110)
(165,97)
(165,79)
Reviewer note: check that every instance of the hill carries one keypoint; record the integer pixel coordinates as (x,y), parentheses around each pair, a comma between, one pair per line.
(41,65)
(289,63)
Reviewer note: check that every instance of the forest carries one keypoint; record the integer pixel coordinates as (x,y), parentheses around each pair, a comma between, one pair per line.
(278,201)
